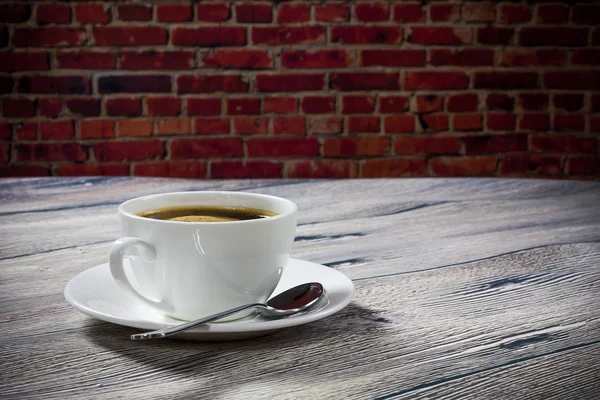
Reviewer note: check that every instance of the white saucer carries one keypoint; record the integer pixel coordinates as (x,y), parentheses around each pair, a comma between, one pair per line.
(95,293)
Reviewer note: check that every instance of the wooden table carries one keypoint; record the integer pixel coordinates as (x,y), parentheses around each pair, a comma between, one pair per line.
(465,288)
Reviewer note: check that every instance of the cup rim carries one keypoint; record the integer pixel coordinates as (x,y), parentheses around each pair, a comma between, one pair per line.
(121,209)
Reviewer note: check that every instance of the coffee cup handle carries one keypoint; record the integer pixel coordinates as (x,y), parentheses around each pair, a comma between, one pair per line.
(117,252)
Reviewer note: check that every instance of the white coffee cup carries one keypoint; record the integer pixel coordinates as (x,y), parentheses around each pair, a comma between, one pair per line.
(188,270)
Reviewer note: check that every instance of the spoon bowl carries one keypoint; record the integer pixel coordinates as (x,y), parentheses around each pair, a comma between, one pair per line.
(291,301)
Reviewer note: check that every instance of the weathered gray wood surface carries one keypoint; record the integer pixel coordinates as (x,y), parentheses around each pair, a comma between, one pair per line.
(466,288)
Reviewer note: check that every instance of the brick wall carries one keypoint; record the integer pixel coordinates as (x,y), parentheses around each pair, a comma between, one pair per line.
(226,89)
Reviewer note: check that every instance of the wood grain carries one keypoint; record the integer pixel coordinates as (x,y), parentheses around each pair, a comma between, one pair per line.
(466,288)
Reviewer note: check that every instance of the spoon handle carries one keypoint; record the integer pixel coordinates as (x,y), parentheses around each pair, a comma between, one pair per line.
(161,333)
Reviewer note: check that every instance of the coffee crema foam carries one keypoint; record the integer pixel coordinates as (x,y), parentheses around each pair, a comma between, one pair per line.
(206,214)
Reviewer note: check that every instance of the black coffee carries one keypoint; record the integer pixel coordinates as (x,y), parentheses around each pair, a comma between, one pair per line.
(206,214)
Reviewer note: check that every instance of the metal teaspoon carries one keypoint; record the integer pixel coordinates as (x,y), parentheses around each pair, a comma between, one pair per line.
(292,301)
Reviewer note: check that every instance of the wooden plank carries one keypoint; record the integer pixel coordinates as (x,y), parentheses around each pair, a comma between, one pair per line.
(405,335)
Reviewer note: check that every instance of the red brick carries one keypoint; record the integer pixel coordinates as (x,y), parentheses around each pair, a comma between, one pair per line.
(476,12)
(446,80)
(552,36)
(245,106)
(334,58)
(525,58)
(93,129)
(534,122)
(392,104)
(134,12)
(86,107)
(14,13)
(594,124)
(596,37)
(428,103)
(49,107)
(495,143)
(54,84)
(212,12)
(289,126)
(129,150)
(584,166)
(359,104)
(573,79)
(209,36)
(130,107)
(501,122)
(207,126)
(442,35)
(91,13)
(393,58)
(363,124)
(433,122)
(463,166)
(399,123)
(251,126)
(253,13)
(514,13)
(359,34)
(356,146)
(527,163)
(289,147)
(203,106)
(53,14)
(393,167)
(500,102)
(505,80)
(280,105)
(211,84)
(50,130)
(533,101)
(245,169)
(49,37)
(26,131)
(18,108)
(552,13)
(564,144)
(595,103)
(239,59)
(586,57)
(129,36)
(293,13)
(4,154)
(50,152)
(318,125)
(23,170)
(586,14)
(147,60)
(410,12)
(495,35)
(318,105)
(289,82)
(354,81)
(5,128)
(173,169)
(173,126)
(85,59)
(195,148)
(283,35)
(93,170)
(3,36)
(134,127)
(174,12)
(322,169)
(467,122)
(332,13)
(569,122)
(372,11)
(444,12)
(463,102)
(426,145)
(24,61)
(467,57)
(568,101)
(163,106)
